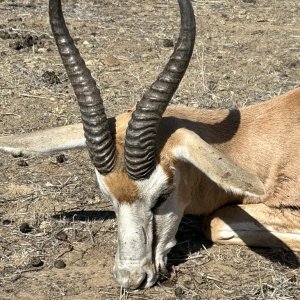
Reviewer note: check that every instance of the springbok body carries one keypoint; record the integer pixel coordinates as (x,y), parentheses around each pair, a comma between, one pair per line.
(239,168)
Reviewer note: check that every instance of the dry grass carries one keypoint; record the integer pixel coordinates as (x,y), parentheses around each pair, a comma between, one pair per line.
(244,53)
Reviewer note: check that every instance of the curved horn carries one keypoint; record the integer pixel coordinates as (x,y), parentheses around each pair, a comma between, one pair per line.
(140,141)
(99,140)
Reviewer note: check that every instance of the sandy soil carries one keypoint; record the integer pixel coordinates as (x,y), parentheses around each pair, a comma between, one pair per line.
(246,51)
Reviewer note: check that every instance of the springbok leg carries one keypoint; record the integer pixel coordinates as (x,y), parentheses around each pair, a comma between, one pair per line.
(44,141)
(255,225)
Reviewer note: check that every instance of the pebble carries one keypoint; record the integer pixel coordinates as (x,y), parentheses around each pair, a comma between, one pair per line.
(44,225)
(111,61)
(41,50)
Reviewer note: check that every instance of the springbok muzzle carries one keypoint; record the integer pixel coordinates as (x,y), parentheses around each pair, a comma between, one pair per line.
(134,266)
(132,276)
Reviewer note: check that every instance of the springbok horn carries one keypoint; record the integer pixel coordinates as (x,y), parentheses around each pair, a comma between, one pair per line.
(140,141)
(99,140)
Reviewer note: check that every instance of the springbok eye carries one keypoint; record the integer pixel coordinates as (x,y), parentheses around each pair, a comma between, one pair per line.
(162,198)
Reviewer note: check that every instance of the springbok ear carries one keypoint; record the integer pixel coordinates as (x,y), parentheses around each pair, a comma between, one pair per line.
(44,141)
(189,147)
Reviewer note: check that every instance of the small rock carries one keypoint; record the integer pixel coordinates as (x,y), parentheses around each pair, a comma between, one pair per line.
(22,163)
(59,264)
(41,50)
(87,44)
(36,262)
(111,61)
(61,158)
(44,225)
(168,43)
(17,154)
(249,1)
(25,228)
(90,62)
(62,236)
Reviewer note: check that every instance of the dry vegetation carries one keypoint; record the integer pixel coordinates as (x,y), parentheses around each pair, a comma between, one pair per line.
(51,212)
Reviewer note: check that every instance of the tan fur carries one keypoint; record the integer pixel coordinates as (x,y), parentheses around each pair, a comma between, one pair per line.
(263,139)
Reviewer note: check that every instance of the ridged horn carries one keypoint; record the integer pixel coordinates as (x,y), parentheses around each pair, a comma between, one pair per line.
(99,140)
(140,141)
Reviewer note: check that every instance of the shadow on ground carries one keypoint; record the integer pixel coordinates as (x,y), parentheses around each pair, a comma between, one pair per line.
(190,238)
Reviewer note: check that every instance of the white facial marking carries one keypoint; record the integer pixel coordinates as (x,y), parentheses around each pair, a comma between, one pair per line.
(134,257)
(153,186)
(135,235)
(167,219)
(105,190)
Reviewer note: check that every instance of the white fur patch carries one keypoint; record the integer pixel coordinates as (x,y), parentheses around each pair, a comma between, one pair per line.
(167,218)
(103,187)
(181,152)
(105,190)
(155,185)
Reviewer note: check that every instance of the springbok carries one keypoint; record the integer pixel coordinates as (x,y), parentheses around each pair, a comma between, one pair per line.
(239,168)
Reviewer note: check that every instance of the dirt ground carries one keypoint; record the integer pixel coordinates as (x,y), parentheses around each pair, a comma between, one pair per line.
(57,236)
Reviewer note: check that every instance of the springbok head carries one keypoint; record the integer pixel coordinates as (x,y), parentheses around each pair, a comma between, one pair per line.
(130,169)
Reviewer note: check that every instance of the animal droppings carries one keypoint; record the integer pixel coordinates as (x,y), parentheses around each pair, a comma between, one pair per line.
(22,163)
(7,222)
(178,292)
(168,43)
(61,158)
(61,236)
(25,228)
(50,77)
(59,264)
(36,262)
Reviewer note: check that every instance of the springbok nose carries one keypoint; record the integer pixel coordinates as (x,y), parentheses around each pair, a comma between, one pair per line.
(128,279)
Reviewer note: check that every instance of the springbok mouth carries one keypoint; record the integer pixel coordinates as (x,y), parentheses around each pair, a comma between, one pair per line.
(124,279)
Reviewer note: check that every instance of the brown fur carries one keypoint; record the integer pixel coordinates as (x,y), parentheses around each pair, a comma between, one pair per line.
(263,139)
(123,188)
